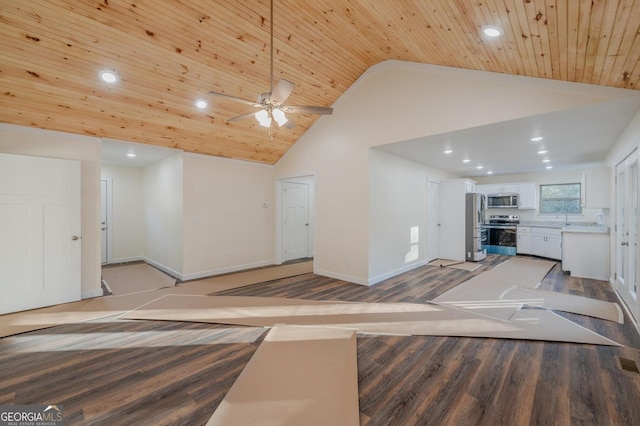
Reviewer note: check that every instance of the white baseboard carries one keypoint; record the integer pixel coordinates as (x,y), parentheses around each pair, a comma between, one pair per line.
(127,259)
(226,270)
(90,294)
(635,323)
(343,277)
(164,269)
(387,275)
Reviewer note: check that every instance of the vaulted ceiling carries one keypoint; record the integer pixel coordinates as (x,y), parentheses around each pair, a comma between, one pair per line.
(168,53)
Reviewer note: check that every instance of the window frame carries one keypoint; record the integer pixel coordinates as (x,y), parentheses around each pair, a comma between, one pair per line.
(578,199)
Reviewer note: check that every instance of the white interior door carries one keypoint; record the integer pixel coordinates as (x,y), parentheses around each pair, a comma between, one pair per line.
(627,253)
(295,226)
(104,237)
(40,248)
(433,220)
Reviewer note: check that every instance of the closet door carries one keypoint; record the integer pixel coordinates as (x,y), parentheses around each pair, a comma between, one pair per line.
(40,248)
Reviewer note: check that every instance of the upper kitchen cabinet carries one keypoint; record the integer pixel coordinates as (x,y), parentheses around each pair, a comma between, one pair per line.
(528,196)
(469,185)
(595,189)
(497,188)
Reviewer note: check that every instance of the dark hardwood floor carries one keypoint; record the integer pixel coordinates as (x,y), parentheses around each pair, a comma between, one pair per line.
(113,372)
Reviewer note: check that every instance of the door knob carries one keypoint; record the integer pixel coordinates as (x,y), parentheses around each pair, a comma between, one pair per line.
(75,237)
(104,229)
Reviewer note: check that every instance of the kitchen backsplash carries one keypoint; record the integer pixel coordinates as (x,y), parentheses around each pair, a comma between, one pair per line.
(587,216)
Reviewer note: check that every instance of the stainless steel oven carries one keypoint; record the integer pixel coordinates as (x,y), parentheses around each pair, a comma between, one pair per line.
(502,234)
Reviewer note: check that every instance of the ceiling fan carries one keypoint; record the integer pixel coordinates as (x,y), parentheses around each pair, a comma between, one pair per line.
(271,103)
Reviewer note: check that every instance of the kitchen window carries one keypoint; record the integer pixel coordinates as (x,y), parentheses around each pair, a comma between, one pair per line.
(562,197)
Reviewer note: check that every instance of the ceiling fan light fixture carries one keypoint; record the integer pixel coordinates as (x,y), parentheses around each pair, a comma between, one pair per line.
(263,118)
(279,116)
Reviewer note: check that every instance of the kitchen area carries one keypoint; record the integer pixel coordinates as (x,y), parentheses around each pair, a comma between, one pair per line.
(527,218)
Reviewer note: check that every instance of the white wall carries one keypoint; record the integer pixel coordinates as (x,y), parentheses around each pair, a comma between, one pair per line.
(127,212)
(44,143)
(391,102)
(226,227)
(397,206)
(629,141)
(163,206)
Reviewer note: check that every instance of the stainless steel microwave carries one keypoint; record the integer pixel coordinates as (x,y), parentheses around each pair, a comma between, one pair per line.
(507,200)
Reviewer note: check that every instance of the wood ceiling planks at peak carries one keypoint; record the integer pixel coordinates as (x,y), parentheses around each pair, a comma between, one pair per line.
(168,53)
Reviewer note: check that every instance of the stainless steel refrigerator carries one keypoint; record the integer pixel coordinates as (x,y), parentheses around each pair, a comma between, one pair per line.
(475,233)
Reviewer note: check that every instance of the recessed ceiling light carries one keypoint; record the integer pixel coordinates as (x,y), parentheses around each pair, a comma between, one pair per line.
(536,139)
(489,172)
(542,151)
(479,167)
(549,167)
(108,76)
(466,160)
(131,154)
(448,151)
(546,160)
(491,31)
(201,103)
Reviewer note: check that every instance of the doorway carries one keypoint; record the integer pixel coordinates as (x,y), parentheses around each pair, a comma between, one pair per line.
(433,220)
(105,204)
(295,220)
(626,237)
(295,198)
(40,224)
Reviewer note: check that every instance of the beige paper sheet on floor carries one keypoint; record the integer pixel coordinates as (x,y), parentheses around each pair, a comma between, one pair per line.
(298,376)
(370,318)
(512,284)
(610,311)
(135,278)
(99,307)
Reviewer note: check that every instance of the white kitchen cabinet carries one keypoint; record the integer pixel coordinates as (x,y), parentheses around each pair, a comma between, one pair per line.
(546,242)
(497,188)
(524,240)
(470,186)
(484,189)
(528,196)
(595,189)
(453,218)
(586,255)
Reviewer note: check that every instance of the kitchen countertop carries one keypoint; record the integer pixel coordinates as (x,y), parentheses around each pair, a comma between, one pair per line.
(576,227)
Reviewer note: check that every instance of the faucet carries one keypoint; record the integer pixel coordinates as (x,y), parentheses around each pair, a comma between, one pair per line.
(566,218)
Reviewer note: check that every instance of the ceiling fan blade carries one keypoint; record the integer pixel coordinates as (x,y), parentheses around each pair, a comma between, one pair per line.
(307,109)
(233,98)
(290,124)
(281,92)
(243,117)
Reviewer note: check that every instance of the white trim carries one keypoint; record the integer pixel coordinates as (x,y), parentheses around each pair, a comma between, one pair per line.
(636,324)
(342,277)
(391,274)
(164,269)
(48,133)
(127,259)
(90,294)
(226,160)
(236,268)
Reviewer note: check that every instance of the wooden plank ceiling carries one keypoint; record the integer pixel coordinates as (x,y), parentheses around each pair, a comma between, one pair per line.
(170,52)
